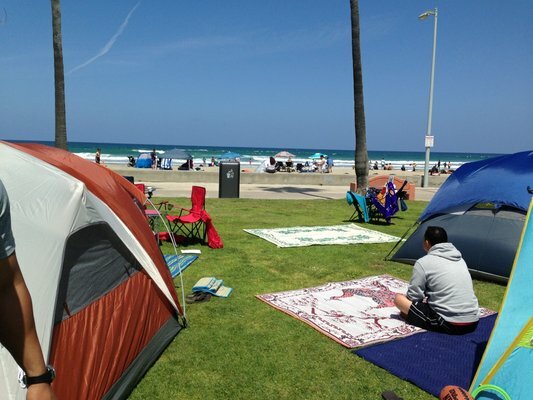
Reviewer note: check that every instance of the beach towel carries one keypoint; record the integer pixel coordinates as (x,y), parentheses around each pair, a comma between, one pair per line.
(433,360)
(166,163)
(321,235)
(178,263)
(353,313)
(213,239)
(213,286)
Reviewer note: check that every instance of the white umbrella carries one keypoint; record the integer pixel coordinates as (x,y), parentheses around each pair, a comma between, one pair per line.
(284,154)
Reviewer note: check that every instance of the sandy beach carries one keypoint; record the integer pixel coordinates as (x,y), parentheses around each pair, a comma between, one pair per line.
(281,185)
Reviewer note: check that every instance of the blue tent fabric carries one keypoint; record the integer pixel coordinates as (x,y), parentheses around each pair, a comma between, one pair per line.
(501,180)
(144,161)
(432,360)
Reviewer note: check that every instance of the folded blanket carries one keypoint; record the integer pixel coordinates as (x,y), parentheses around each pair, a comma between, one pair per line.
(213,286)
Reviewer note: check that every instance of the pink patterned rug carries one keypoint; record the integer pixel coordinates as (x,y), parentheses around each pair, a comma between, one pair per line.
(354,313)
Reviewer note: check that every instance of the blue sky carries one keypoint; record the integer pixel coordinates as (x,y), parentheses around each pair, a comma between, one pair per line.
(271,73)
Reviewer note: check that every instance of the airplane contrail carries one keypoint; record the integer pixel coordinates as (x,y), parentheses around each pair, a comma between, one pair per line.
(109,44)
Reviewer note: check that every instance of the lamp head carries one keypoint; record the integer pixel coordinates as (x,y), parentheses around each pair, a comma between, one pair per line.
(426,14)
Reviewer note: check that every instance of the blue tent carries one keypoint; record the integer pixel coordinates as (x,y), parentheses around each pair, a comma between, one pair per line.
(500,180)
(482,206)
(144,161)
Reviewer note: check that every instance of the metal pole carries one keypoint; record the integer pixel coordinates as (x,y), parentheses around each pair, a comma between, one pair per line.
(430,109)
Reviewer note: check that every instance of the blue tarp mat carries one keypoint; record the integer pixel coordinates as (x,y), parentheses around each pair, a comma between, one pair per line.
(177,263)
(433,360)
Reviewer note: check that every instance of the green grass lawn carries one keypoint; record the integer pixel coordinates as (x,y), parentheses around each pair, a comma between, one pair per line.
(241,348)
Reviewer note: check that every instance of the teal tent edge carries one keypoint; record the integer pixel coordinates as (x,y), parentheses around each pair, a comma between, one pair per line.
(515,312)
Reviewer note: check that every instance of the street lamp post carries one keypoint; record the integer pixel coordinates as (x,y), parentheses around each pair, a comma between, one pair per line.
(429,138)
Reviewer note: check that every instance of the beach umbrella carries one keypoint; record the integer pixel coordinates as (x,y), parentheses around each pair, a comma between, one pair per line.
(229,156)
(318,155)
(177,154)
(284,154)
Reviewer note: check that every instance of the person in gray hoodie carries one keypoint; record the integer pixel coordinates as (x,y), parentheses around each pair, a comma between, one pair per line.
(440,296)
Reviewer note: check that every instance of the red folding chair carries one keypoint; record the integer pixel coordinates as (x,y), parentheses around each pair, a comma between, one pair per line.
(190,222)
(147,190)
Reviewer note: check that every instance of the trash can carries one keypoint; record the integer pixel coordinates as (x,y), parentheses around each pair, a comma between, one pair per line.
(229,179)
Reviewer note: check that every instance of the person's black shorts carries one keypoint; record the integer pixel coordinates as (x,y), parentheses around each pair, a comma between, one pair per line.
(422,315)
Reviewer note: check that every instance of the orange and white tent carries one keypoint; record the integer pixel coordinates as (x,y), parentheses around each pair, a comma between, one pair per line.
(103,299)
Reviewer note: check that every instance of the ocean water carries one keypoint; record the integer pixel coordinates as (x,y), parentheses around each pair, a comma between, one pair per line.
(117,153)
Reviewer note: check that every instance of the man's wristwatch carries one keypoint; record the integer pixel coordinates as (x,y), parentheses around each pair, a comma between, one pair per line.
(47,377)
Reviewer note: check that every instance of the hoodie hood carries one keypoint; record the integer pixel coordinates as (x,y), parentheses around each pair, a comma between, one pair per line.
(446,251)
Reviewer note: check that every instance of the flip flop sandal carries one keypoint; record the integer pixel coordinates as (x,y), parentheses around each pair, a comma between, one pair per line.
(194,295)
(199,297)
(389,395)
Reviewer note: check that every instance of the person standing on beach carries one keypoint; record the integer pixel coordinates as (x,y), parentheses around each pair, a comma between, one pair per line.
(97,156)
(17,324)
(153,156)
(329,163)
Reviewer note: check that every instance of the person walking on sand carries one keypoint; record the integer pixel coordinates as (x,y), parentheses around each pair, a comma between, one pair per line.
(17,324)
(440,296)
(97,156)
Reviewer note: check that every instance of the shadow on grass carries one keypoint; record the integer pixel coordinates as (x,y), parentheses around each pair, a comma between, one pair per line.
(307,191)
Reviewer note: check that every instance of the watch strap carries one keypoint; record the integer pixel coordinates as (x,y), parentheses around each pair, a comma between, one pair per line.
(47,377)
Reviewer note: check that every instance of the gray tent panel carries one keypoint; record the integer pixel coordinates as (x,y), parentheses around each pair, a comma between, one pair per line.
(142,363)
(95,262)
(487,239)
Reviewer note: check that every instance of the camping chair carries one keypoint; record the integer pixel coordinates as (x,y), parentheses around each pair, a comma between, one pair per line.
(164,206)
(378,203)
(289,166)
(147,190)
(359,203)
(384,202)
(190,222)
(166,163)
(151,215)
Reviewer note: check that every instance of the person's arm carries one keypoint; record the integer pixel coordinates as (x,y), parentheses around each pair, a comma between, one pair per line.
(417,285)
(17,326)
